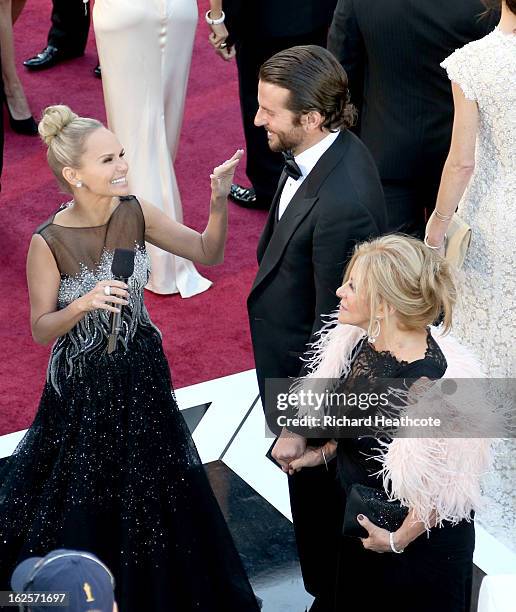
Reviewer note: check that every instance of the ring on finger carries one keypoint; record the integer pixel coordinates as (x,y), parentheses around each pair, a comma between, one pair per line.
(223,45)
(107,290)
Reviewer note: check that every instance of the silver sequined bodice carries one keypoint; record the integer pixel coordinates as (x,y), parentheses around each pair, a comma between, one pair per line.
(84,256)
(89,336)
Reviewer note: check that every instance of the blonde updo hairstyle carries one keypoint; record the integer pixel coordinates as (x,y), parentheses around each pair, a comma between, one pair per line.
(401,272)
(65,134)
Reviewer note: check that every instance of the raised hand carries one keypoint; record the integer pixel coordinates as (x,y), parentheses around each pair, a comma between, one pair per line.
(222,176)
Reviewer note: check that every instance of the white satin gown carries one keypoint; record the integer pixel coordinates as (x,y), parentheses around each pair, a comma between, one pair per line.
(145,48)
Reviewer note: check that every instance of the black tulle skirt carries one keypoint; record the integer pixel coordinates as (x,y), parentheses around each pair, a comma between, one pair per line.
(109,466)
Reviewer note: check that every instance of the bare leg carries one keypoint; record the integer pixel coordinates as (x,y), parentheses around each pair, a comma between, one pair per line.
(14,93)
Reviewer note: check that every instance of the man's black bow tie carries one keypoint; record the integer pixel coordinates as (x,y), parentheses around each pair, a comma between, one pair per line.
(291,168)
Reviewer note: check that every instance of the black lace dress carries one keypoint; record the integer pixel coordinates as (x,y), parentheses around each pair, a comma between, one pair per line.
(108,465)
(434,573)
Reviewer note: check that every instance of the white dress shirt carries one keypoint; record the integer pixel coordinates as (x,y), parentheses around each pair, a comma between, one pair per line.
(306,162)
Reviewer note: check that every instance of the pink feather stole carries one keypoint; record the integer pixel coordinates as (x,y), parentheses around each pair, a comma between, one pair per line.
(439,479)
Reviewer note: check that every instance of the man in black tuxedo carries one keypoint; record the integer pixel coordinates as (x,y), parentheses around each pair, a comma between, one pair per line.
(391,51)
(329,199)
(67,36)
(259,29)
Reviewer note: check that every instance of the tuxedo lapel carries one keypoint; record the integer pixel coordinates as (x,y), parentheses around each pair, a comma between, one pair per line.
(271,219)
(274,240)
(296,211)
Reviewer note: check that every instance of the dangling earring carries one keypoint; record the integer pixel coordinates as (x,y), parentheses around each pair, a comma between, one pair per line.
(375,332)
(78,184)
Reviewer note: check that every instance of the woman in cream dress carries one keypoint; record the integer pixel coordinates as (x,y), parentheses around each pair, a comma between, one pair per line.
(145,48)
(479,178)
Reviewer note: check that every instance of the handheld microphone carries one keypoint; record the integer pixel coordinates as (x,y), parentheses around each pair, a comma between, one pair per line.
(122,269)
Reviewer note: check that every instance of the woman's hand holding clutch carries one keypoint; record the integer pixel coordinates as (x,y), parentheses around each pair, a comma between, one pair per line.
(378,539)
(435,233)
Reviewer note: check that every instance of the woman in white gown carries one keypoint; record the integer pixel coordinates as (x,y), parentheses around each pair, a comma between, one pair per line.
(145,48)
(480,178)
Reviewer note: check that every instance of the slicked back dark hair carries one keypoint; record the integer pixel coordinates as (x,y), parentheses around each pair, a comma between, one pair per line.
(316,82)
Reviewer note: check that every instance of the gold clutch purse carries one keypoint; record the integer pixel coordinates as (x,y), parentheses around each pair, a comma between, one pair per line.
(457,242)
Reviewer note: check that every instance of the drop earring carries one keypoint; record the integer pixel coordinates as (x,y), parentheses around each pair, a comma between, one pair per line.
(375,332)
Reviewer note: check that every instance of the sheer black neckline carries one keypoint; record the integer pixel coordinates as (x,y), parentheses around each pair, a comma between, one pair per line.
(66,204)
(366,362)
(80,249)
(403,362)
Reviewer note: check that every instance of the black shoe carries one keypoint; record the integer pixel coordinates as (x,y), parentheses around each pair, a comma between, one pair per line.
(50,56)
(246,197)
(98,72)
(26,127)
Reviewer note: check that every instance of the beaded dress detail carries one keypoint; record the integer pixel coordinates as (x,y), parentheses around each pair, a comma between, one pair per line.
(108,465)
(89,336)
(356,456)
(485,315)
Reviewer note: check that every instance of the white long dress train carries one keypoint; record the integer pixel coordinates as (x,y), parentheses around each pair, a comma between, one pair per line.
(145,48)
(485,317)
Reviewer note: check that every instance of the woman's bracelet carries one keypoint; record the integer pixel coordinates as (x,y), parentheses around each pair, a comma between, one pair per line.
(442,217)
(327,454)
(391,542)
(211,21)
(430,246)
(324,457)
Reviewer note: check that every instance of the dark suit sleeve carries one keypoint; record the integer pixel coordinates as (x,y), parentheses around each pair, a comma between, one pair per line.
(344,220)
(346,44)
(342,224)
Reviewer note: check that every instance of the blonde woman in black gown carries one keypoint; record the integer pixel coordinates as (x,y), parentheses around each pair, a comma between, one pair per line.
(393,290)
(108,465)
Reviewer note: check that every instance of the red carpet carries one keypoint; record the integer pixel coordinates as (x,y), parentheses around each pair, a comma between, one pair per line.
(205,336)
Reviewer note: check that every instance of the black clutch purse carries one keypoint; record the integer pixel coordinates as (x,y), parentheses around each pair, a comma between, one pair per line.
(375,504)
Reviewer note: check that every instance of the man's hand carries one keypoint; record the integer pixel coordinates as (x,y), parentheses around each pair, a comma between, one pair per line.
(289,446)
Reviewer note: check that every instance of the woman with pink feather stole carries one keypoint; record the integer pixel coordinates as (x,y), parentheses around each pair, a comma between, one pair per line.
(394,289)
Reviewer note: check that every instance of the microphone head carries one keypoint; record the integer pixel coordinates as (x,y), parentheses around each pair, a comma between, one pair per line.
(123,263)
